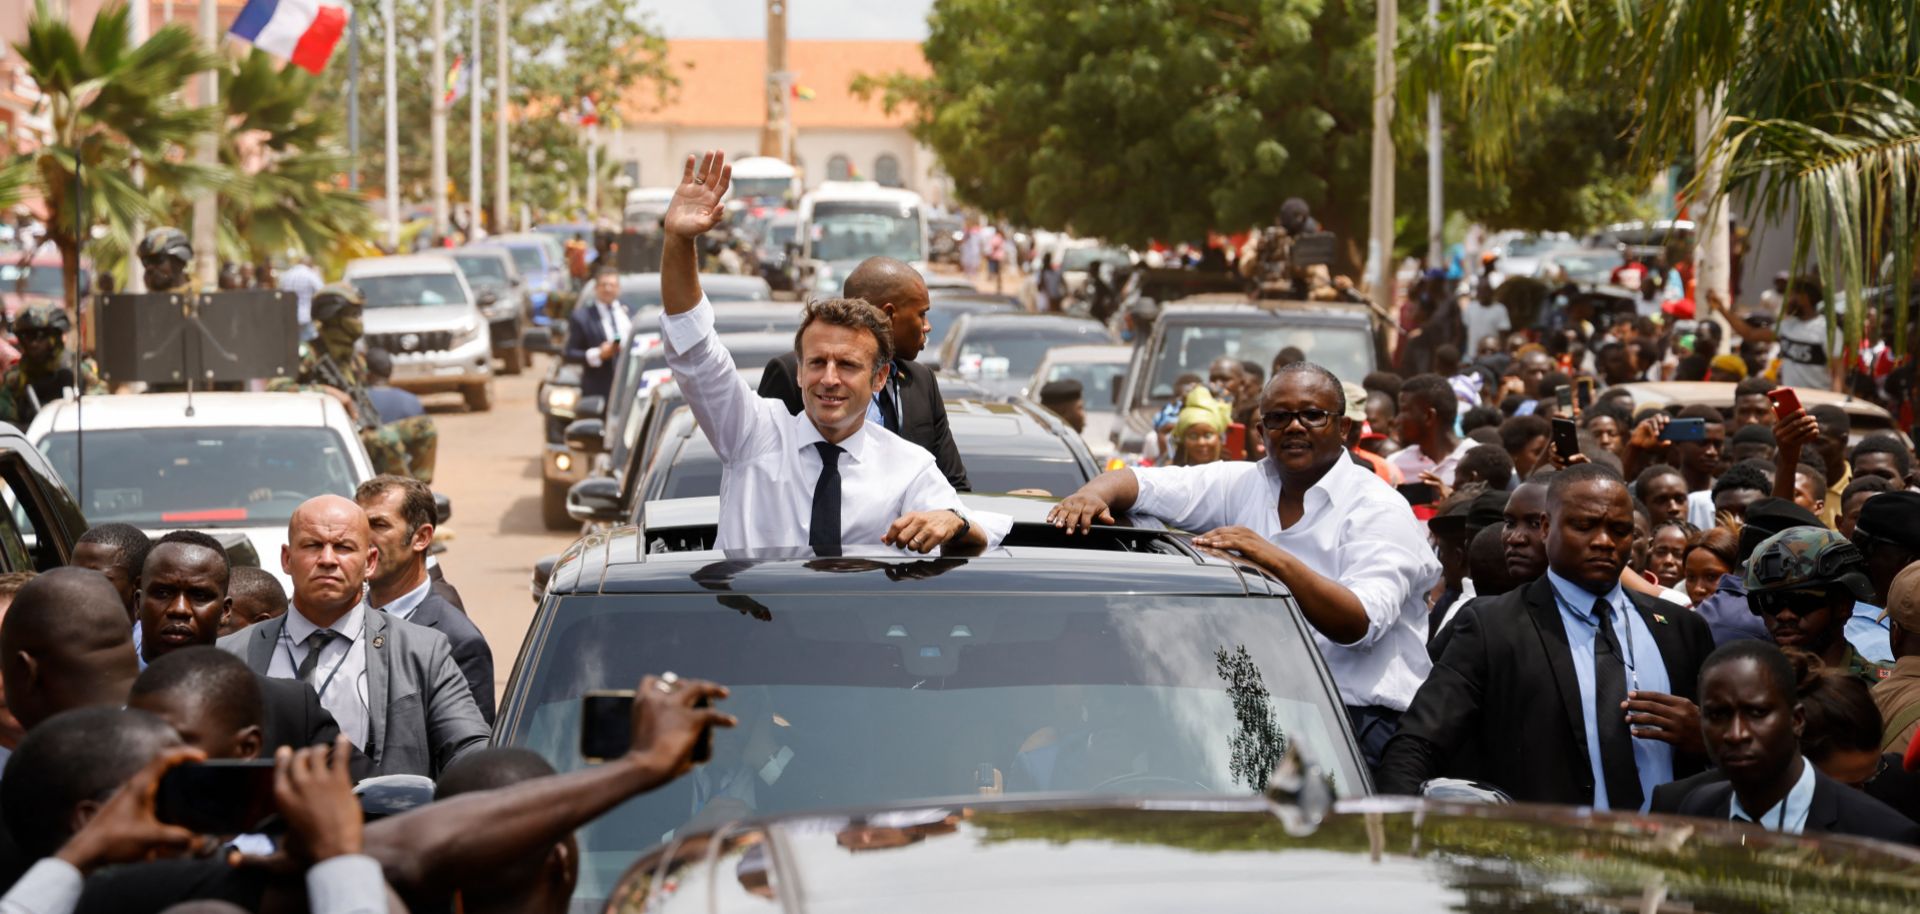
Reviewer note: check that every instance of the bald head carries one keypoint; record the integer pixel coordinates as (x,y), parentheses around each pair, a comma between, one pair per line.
(65,643)
(898,290)
(329,554)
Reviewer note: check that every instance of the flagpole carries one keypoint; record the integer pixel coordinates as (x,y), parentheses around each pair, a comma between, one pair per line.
(500,115)
(353,103)
(593,173)
(439,122)
(393,135)
(473,124)
(206,225)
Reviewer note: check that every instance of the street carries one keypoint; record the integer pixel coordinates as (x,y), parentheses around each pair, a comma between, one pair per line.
(489,468)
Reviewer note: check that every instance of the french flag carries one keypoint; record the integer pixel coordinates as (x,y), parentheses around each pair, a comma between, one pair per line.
(303,31)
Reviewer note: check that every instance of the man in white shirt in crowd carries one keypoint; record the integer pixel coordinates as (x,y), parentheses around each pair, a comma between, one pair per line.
(303,281)
(1810,353)
(1424,426)
(826,477)
(1343,542)
(1483,321)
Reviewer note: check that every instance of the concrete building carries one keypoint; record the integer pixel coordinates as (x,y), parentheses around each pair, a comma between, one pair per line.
(721,104)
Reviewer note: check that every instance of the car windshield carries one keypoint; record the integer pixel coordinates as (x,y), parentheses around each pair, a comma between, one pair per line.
(756,188)
(1014,349)
(942,314)
(411,290)
(1056,476)
(527,259)
(200,477)
(857,231)
(1079,259)
(43,281)
(1190,349)
(853,701)
(482,268)
(1097,382)
(693,473)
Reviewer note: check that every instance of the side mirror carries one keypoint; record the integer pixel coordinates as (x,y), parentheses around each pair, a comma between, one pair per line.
(538,339)
(489,298)
(542,573)
(595,501)
(442,508)
(587,435)
(590,407)
(1457,790)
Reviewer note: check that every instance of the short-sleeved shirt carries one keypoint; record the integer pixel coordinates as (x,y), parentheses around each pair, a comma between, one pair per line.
(1805,347)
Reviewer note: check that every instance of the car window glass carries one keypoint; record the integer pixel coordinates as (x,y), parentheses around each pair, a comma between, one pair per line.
(202,477)
(19,539)
(1097,381)
(409,291)
(1002,351)
(1193,348)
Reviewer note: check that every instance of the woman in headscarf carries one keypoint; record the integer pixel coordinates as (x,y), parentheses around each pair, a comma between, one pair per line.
(1200,430)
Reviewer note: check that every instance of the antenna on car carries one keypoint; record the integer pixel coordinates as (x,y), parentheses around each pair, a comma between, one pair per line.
(80,234)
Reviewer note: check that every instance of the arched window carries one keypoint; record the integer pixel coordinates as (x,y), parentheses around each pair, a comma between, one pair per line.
(886,170)
(839,168)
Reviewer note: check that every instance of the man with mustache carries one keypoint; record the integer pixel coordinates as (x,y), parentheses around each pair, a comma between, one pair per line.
(1600,678)
(1343,541)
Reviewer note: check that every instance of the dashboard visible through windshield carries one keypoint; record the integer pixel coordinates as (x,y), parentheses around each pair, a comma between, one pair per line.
(205,477)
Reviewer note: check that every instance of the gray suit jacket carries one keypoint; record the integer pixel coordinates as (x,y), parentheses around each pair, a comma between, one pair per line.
(470,649)
(422,715)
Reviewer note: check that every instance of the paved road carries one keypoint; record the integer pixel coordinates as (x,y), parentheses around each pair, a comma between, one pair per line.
(489,466)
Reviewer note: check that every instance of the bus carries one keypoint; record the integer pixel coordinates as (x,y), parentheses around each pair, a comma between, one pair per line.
(845,222)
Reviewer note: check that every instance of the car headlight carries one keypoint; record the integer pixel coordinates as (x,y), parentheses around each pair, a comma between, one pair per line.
(468,334)
(560,400)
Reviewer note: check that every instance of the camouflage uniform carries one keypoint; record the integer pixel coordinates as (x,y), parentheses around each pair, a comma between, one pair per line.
(1809,559)
(48,379)
(406,447)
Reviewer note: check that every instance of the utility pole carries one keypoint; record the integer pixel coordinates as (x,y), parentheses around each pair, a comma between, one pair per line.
(1380,221)
(206,225)
(1436,212)
(473,123)
(439,123)
(1713,265)
(353,103)
(773,134)
(500,116)
(393,135)
(593,172)
(138,28)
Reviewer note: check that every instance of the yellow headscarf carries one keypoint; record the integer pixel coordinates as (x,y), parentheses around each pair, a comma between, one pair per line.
(1201,407)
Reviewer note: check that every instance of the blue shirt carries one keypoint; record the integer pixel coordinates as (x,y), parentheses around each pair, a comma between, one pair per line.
(1726,613)
(1868,634)
(1790,814)
(1646,672)
(394,404)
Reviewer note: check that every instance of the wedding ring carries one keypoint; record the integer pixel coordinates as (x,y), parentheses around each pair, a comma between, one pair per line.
(667,682)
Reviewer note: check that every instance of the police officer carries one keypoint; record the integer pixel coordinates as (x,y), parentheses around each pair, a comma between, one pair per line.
(42,375)
(167,256)
(333,363)
(1803,583)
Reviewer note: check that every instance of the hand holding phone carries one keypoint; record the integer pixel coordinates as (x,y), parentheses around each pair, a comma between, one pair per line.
(1564,398)
(1566,439)
(1685,430)
(217,797)
(314,793)
(127,828)
(1785,401)
(669,722)
(1583,393)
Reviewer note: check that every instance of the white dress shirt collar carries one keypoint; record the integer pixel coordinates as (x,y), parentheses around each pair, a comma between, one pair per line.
(299,627)
(1790,814)
(403,606)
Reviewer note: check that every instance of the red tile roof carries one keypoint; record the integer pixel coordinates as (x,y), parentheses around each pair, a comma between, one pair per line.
(722,80)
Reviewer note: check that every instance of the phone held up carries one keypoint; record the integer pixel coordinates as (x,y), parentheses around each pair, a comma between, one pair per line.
(606,726)
(1419,493)
(1785,401)
(1685,430)
(217,797)
(1566,438)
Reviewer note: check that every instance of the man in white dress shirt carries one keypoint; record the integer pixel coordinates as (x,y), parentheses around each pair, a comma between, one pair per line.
(1343,542)
(825,478)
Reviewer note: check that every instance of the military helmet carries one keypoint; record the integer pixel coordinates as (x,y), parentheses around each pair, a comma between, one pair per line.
(335,298)
(169,242)
(51,318)
(1805,558)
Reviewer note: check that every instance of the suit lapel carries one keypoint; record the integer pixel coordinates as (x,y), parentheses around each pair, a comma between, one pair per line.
(910,406)
(260,649)
(1673,652)
(1824,812)
(378,654)
(1559,656)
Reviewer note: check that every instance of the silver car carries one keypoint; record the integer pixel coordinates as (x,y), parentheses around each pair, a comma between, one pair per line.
(422,312)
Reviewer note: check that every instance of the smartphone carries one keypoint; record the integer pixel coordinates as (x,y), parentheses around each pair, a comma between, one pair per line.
(1583,393)
(1564,396)
(606,726)
(1685,430)
(1566,438)
(1784,400)
(217,797)
(1419,493)
(1235,444)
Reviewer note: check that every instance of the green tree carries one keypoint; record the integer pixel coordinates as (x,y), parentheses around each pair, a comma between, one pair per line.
(112,104)
(1821,104)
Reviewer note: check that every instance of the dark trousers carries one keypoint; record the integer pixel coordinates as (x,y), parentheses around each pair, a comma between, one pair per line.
(1372,727)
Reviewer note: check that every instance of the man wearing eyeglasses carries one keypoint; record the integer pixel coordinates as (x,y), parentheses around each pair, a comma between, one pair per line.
(1803,583)
(1343,542)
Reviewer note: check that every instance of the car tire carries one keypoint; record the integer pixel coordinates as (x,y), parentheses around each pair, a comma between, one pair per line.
(553,507)
(479,397)
(511,363)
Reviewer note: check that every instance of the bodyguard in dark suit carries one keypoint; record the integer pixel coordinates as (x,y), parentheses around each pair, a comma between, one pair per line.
(1752,722)
(909,405)
(400,513)
(595,330)
(1571,689)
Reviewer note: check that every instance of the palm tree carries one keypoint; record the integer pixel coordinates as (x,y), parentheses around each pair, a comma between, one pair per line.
(1819,104)
(111,104)
(282,146)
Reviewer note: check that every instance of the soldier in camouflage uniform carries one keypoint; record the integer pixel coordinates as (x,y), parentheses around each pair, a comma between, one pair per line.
(43,373)
(167,257)
(332,363)
(1803,582)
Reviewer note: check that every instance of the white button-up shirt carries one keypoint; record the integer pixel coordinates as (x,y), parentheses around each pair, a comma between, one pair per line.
(403,606)
(340,676)
(771,465)
(1355,530)
(613,321)
(1789,815)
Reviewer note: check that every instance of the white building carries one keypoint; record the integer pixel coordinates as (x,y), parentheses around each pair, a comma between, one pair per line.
(721,104)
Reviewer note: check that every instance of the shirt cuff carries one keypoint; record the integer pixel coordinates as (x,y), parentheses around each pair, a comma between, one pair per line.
(685,330)
(52,886)
(593,357)
(348,884)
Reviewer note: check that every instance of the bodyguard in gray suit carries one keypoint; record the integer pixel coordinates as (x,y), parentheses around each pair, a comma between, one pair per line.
(393,686)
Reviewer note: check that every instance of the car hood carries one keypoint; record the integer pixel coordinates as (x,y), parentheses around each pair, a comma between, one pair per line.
(1244,854)
(418,318)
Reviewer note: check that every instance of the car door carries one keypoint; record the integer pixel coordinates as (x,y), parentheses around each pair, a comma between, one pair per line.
(41,521)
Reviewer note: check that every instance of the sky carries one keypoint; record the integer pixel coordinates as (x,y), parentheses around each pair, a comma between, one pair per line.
(841,19)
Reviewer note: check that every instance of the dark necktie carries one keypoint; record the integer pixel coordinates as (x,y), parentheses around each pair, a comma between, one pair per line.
(823,534)
(315,642)
(889,413)
(1609,690)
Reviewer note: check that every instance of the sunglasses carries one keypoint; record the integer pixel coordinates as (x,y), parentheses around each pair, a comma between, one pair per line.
(1279,419)
(1802,603)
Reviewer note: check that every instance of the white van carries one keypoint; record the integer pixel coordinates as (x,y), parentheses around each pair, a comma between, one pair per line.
(764,181)
(845,222)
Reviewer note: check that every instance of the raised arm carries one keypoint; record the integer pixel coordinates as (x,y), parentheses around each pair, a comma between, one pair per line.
(697,206)
(1744,330)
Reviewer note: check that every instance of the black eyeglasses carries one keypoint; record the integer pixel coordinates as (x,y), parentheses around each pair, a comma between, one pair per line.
(1309,418)
(1802,603)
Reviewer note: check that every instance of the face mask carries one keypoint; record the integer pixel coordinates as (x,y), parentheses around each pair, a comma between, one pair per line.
(340,334)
